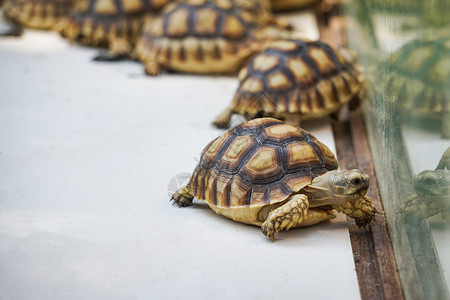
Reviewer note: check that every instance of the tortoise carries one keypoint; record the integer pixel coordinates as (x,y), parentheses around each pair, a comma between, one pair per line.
(201,36)
(37,14)
(294,80)
(432,193)
(288,5)
(267,173)
(109,23)
(417,81)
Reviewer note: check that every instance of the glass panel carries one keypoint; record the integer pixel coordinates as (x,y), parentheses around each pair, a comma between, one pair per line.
(404,48)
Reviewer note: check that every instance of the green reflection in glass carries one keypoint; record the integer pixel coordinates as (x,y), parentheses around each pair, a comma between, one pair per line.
(404,48)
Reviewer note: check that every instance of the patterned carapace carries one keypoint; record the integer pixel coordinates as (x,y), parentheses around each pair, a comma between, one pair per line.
(259,162)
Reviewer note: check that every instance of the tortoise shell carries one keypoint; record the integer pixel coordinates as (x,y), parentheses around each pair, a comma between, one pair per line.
(202,36)
(418,77)
(258,163)
(287,5)
(38,14)
(304,77)
(100,22)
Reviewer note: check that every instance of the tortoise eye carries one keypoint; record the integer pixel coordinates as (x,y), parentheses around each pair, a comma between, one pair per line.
(429,181)
(356,181)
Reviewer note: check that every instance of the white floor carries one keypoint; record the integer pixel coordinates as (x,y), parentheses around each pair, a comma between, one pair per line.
(87,151)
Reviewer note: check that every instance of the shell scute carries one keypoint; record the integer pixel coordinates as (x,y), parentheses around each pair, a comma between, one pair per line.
(301,72)
(106,7)
(265,62)
(322,61)
(234,28)
(206,21)
(132,6)
(179,28)
(262,166)
(279,81)
(236,151)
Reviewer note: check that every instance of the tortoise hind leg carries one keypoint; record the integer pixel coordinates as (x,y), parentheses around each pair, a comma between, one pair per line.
(223,120)
(148,56)
(151,65)
(9,27)
(119,48)
(182,197)
(286,216)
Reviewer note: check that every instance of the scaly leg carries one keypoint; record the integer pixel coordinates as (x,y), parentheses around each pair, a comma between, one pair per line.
(315,216)
(182,197)
(223,120)
(286,216)
(151,65)
(119,48)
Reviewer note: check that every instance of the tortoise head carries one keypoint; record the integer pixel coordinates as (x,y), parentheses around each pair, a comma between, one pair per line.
(349,183)
(432,183)
(345,191)
(351,186)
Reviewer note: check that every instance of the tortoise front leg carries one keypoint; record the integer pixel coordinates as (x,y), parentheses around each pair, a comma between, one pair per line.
(182,197)
(286,216)
(315,216)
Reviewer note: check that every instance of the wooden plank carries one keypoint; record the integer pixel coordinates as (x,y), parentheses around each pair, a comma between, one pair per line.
(372,249)
(388,276)
(363,255)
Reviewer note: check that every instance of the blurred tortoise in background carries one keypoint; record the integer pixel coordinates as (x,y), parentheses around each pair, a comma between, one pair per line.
(37,14)
(115,24)
(432,193)
(200,36)
(288,5)
(417,81)
(270,174)
(294,80)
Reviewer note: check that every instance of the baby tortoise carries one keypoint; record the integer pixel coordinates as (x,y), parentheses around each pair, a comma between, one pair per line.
(294,80)
(288,5)
(37,14)
(200,36)
(432,193)
(115,24)
(264,172)
(418,80)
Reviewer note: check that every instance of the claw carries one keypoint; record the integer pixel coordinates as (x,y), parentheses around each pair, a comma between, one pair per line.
(182,198)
